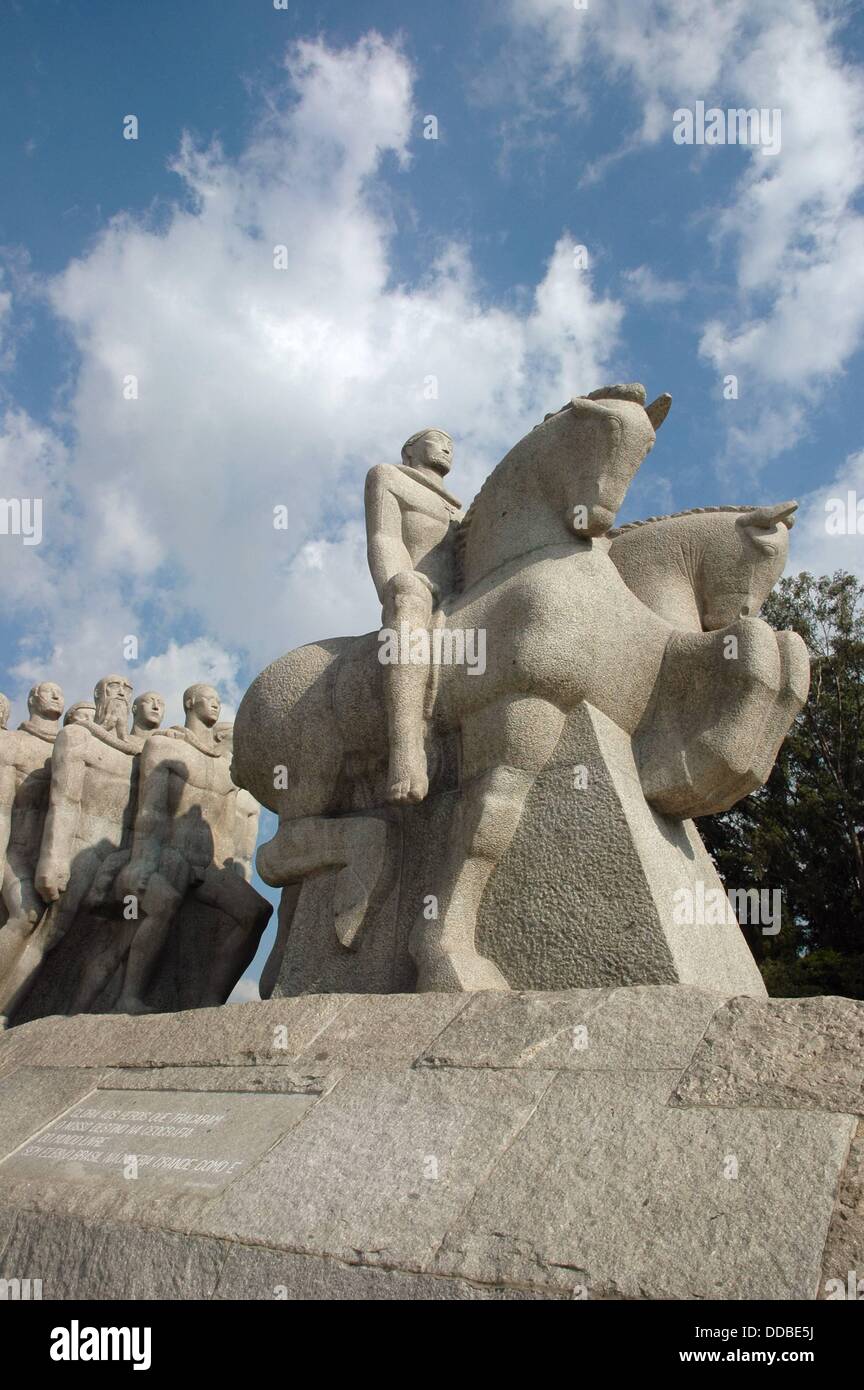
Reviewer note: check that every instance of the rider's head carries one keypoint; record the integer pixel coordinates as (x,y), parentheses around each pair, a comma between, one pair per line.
(432,448)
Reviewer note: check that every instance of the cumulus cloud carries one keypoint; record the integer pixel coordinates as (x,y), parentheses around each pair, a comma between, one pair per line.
(213,386)
(825,537)
(790,224)
(643,285)
(33,469)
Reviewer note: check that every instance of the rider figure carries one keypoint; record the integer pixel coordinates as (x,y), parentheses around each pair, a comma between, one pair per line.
(411,521)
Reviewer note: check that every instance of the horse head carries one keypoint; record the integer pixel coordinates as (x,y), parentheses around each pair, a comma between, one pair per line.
(568,477)
(739,570)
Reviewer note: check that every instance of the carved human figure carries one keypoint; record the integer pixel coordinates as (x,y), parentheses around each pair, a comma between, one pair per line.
(411,521)
(25,779)
(89,817)
(82,712)
(148,711)
(187,839)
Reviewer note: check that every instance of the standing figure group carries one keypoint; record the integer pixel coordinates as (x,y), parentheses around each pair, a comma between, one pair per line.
(109,826)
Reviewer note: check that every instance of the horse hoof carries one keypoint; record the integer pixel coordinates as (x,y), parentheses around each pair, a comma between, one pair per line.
(447,973)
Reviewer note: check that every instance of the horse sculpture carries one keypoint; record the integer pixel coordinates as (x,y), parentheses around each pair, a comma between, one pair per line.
(567,623)
(703,568)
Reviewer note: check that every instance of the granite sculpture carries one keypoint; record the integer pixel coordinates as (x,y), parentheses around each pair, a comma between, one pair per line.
(82,712)
(185,844)
(25,779)
(497,789)
(79,810)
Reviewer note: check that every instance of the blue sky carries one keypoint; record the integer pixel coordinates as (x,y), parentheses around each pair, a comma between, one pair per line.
(406,258)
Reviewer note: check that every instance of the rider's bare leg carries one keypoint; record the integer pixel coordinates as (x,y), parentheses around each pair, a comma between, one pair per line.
(405,682)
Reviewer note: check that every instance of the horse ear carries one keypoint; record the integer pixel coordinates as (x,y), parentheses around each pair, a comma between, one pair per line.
(658,410)
(766,517)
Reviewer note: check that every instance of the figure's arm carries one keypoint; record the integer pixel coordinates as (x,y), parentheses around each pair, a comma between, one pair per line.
(7,798)
(152,818)
(385,548)
(68,766)
(247,833)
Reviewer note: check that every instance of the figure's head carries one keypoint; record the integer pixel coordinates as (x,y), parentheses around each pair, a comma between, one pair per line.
(45,700)
(113,697)
(82,712)
(735,579)
(5,710)
(202,701)
(616,432)
(432,448)
(148,710)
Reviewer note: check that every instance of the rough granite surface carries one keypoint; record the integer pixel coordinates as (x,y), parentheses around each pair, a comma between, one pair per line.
(655,1142)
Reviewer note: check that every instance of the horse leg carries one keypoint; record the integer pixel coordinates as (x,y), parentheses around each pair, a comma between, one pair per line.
(789,701)
(720,708)
(273,964)
(504,747)
(355,845)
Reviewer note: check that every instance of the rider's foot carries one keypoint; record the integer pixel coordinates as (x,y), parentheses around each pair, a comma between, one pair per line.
(408,778)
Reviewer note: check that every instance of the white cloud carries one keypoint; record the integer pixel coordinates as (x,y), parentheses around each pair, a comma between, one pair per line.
(644,286)
(258,387)
(33,466)
(813,545)
(790,226)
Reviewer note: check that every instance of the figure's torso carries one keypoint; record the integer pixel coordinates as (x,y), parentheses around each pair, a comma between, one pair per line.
(430,520)
(107,793)
(30,759)
(201,800)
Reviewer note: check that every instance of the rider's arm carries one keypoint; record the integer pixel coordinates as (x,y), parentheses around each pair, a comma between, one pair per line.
(385,548)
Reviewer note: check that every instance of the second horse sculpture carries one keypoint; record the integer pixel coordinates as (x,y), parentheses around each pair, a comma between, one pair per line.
(555,841)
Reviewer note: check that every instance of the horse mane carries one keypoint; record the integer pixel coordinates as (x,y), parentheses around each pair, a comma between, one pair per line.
(673,516)
(460,540)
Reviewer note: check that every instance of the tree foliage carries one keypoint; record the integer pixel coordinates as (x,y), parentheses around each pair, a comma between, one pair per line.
(803,832)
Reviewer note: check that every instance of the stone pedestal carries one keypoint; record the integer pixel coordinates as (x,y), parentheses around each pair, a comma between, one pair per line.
(587,894)
(650,1142)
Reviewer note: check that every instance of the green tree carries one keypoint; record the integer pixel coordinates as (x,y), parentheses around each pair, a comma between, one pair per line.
(803,832)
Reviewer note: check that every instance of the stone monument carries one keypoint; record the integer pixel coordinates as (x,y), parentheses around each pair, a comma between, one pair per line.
(510,811)
(97,812)
(497,790)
